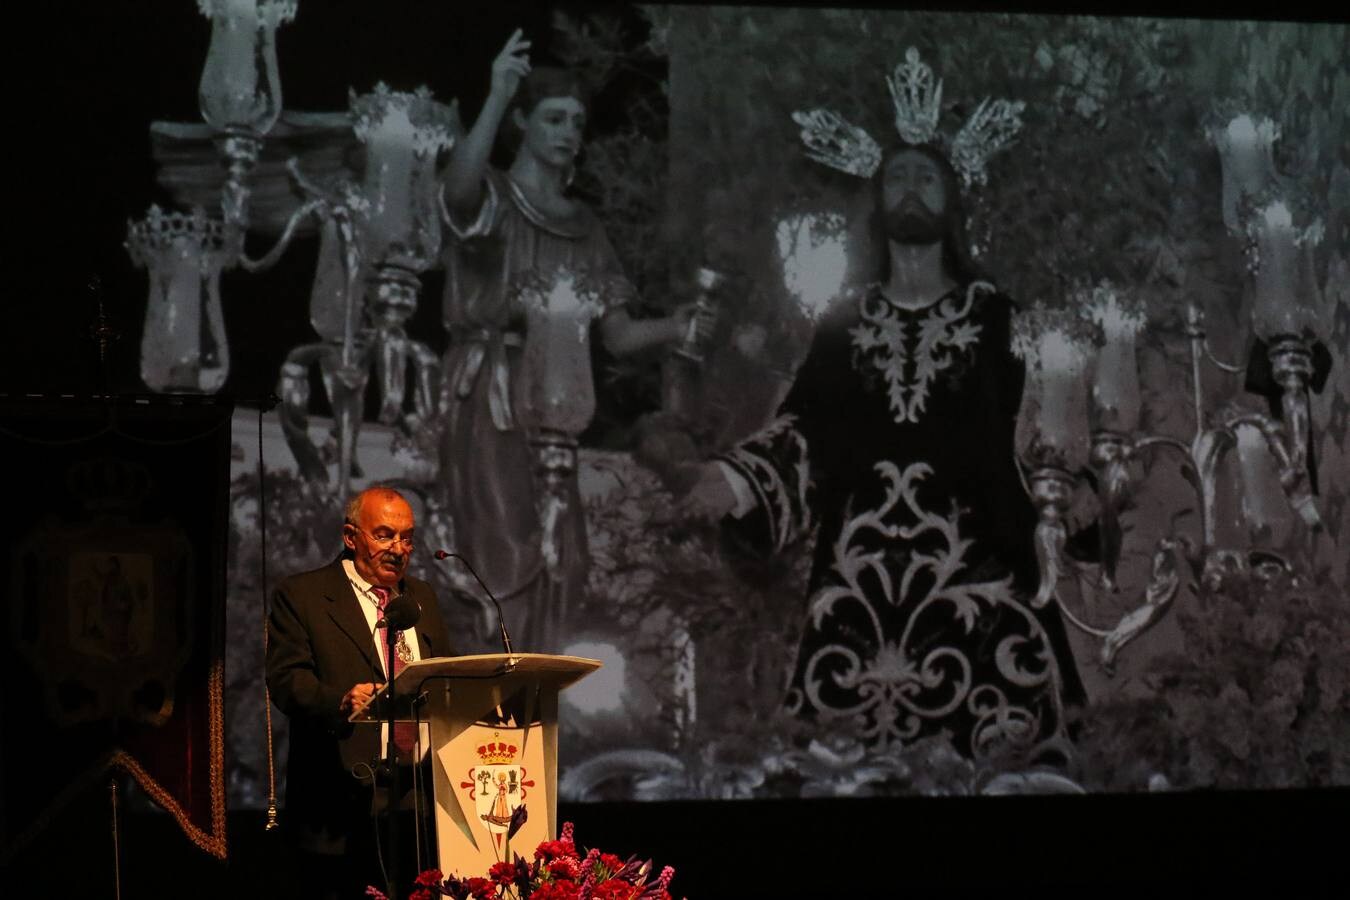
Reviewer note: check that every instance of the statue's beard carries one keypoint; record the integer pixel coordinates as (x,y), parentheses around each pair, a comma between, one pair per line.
(910,222)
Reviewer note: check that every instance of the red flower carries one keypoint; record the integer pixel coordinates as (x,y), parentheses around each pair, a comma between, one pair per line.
(614,889)
(429,878)
(421,894)
(503,873)
(553,849)
(564,867)
(611,862)
(557,890)
(481,888)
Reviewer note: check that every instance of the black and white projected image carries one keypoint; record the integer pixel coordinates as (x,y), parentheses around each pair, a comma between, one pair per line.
(895,402)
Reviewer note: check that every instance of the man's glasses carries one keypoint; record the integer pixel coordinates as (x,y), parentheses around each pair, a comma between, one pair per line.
(384,543)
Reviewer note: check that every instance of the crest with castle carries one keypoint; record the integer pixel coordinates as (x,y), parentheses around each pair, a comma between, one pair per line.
(916,93)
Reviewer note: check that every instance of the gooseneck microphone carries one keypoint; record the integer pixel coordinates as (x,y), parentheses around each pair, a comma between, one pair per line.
(501,618)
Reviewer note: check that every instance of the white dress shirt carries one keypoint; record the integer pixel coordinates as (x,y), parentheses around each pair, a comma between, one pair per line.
(370,606)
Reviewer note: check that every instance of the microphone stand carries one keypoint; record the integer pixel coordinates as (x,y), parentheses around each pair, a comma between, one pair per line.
(391,759)
(501,617)
(393,621)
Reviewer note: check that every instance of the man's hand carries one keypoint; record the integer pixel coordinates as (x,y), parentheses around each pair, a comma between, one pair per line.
(710,499)
(510,66)
(358,696)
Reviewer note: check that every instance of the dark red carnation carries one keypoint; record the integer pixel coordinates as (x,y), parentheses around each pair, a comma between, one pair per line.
(564,867)
(503,873)
(553,849)
(481,888)
(614,889)
(557,890)
(429,878)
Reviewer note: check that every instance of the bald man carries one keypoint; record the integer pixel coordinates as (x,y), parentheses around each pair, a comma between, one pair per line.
(325,657)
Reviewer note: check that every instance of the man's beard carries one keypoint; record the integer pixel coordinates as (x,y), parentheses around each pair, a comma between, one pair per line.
(910,222)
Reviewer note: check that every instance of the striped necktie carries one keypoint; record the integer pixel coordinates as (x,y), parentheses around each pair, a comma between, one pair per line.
(405,733)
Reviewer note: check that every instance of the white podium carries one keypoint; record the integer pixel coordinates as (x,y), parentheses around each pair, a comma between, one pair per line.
(494,747)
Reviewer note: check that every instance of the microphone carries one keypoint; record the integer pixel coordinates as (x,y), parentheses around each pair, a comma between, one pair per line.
(401,613)
(501,617)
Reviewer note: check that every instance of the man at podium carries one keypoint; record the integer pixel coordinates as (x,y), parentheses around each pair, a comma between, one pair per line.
(325,658)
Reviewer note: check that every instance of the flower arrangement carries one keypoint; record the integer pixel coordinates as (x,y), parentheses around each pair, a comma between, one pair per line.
(558,872)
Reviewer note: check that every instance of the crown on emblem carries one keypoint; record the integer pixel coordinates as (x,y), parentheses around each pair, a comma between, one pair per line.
(496,753)
(916,94)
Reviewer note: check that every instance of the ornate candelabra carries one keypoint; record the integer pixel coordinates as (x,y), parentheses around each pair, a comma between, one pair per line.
(1284,317)
(378,231)
(1056,449)
(386,229)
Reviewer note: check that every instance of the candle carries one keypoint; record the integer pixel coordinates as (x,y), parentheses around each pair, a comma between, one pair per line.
(402,133)
(1279,307)
(1053,420)
(1244,147)
(1115,385)
(240,87)
(1264,508)
(554,390)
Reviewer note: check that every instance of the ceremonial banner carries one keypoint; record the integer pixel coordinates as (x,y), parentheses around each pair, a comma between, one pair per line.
(113,556)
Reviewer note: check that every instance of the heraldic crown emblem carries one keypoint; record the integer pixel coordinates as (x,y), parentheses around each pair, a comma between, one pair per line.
(916,93)
(496,753)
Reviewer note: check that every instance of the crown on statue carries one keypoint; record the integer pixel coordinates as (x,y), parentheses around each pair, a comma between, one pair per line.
(495,753)
(833,142)
(916,93)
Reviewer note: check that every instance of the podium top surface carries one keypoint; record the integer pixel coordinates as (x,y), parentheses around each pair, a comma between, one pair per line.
(557,672)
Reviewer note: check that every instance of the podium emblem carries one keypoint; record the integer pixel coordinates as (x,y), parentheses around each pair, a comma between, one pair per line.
(498,785)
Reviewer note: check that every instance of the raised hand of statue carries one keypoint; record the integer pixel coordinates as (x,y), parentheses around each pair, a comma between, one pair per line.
(510,66)
(710,499)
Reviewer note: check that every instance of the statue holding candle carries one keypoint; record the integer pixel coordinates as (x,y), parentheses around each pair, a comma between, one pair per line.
(527,269)
(895,447)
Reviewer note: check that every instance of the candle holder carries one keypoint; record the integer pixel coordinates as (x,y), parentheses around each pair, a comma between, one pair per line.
(1052,428)
(1115,409)
(708,281)
(1175,555)
(555,467)
(1285,315)
(376,237)
(554,392)
(240,93)
(183,346)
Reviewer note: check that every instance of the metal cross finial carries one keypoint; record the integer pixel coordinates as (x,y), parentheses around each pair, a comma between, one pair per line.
(103,330)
